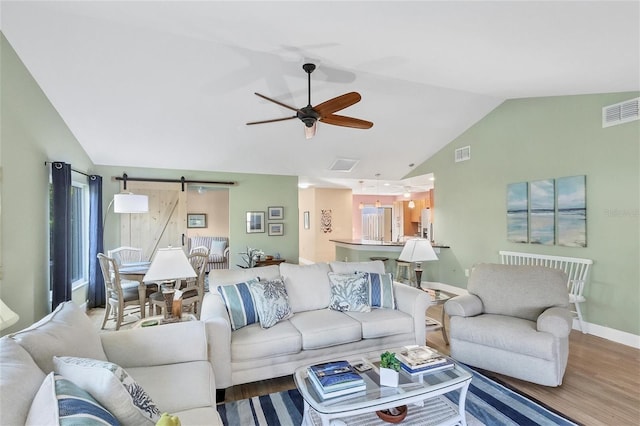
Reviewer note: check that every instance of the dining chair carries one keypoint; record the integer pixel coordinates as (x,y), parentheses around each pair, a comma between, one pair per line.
(193,292)
(123,255)
(118,298)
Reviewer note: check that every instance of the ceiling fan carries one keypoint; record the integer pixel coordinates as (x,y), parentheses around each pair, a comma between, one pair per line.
(323,112)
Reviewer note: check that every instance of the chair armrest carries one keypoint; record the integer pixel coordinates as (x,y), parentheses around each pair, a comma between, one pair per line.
(158,345)
(226,253)
(414,302)
(557,321)
(465,305)
(218,328)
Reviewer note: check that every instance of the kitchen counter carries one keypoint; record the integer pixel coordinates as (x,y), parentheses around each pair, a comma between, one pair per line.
(363,250)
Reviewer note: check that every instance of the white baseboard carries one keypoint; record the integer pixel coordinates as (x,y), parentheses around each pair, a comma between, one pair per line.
(608,333)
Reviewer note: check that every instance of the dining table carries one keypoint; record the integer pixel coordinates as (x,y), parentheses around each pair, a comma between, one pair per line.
(135,271)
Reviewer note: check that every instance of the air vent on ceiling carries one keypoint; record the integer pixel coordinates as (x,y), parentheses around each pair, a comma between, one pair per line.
(463,154)
(619,113)
(343,165)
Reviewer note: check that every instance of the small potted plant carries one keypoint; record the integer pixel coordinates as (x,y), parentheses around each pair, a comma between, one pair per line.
(389,369)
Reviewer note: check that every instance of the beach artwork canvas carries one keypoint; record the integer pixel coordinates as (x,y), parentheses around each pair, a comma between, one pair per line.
(572,211)
(542,214)
(517,212)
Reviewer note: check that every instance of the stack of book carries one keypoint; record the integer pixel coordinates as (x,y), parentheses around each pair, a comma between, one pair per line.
(336,378)
(416,360)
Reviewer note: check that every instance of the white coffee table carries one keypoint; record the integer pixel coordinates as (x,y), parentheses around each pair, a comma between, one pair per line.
(411,391)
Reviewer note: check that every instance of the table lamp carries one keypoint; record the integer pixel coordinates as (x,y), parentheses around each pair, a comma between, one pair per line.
(7,316)
(417,250)
(169,264)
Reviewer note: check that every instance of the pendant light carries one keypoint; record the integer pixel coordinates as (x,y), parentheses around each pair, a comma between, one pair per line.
(361,205)
(411,204)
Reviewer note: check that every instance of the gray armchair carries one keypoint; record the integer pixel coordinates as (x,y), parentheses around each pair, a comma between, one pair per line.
(514,321)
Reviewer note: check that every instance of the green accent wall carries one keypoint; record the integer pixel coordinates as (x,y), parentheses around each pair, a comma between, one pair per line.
(525,140)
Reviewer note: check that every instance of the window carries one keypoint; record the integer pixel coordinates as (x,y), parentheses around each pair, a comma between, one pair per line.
(79,233)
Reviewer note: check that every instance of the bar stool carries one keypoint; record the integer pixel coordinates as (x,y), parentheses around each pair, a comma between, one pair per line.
(403,268)
(384,260)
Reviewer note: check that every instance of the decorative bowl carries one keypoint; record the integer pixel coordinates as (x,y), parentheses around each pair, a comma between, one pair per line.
(268,257)
(391,418)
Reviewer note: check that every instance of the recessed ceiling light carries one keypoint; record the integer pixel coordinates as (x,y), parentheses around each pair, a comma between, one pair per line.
(303,185)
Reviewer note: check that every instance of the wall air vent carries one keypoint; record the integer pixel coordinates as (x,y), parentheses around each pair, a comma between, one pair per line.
(343,165)
(620,113)
(462,154)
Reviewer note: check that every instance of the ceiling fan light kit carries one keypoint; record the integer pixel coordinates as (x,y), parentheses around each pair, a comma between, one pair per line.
(323,112)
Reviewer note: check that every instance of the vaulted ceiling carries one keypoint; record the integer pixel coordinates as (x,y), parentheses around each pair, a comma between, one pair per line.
(171,84)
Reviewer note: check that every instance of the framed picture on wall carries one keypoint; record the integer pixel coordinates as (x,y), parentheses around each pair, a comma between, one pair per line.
(196,220)
(276,213)
(276,229)
(255,222)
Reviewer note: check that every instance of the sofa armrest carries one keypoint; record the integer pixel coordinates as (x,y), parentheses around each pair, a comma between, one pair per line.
(557,321)
(465,305)
(414,302)
(218,328)
(159,345)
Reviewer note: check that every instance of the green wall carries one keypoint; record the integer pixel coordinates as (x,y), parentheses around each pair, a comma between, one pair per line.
(539,138)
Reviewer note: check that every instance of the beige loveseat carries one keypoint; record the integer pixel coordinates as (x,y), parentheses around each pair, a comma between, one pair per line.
(169,362)
(514,321)
(314,333)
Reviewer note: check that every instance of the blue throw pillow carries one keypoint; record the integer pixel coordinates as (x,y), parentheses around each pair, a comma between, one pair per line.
(61,402)
(380,290)
(272,302)
(240,304)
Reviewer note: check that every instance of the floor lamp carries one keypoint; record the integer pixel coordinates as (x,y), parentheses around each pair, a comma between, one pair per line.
(417,250)
(127,202)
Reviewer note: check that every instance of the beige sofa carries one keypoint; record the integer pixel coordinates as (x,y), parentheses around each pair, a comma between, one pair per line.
(514,321)
(169,362)
(314,333)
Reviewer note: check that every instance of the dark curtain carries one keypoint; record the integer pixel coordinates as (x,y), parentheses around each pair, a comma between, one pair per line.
(96,294)
(60,235)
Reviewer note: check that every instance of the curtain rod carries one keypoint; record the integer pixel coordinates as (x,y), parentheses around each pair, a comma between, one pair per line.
(72,169)
(182,180)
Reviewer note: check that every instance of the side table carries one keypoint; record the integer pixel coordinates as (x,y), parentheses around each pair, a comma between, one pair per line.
(438,298)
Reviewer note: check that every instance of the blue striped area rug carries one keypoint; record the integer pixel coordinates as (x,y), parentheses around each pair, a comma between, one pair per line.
(488,403)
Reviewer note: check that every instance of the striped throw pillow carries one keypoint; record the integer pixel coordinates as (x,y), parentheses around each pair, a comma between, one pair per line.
(240,304)
(60,402)
(380,288)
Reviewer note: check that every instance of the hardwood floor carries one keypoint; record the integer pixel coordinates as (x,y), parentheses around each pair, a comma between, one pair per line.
(601,385)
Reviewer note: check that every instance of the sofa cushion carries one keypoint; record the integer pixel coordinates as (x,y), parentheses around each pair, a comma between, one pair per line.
(177,387)
(509,334)
(240,303)
(271,301)
(22,377)
(253,342)
(518,290)
(380,290)
(231,276)
(67,331)
(112,386)
(376,266)
(308,286)
(217,248)
(61,402)
(323,328)
(383,322)
(349,292)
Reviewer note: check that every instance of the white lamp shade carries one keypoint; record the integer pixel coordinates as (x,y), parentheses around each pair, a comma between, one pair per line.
(7,316)
(169,264)
(417,250)
(130,203)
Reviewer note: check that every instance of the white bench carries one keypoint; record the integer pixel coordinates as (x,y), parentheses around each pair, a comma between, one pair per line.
(577,270)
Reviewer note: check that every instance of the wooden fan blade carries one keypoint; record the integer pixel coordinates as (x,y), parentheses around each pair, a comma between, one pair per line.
(271,121)
(341,120)
(337,103)
(276,102)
